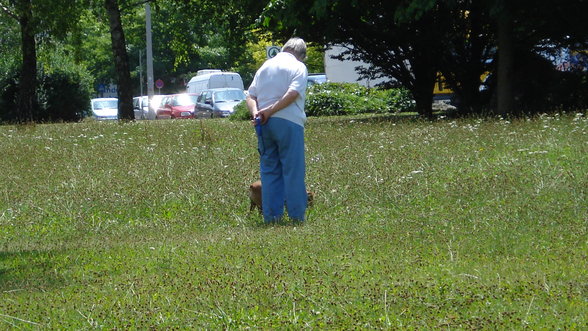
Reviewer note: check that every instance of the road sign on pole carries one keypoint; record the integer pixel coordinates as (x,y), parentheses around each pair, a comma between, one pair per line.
(272,51)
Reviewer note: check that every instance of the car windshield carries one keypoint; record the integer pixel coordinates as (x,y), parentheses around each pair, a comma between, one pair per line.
(317,79)
(102,104)
(229,95)
(185,100)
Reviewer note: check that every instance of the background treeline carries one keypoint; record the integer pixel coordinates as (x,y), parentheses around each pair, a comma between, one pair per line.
(408,42)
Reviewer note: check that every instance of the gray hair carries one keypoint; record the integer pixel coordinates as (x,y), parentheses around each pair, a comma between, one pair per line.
(297,47)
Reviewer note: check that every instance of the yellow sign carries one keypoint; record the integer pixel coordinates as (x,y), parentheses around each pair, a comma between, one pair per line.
(442,88)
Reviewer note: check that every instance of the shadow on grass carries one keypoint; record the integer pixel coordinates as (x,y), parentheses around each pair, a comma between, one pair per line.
(258,222)
(28,270)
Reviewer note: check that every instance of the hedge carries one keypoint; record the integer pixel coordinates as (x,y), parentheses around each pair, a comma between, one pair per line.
(331,99)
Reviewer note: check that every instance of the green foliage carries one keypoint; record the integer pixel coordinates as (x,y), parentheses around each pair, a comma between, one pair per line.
(9,93)
(63,92)
(330,99)
(350,98)
(315,58)
(90,46)
(241,112)
(413,10)
(9,39)
(399,100)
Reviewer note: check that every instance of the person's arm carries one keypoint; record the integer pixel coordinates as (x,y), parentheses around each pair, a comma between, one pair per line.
(287,99)
(252,105)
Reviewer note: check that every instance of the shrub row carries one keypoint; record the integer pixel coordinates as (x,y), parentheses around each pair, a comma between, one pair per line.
(347,99)
(63,92)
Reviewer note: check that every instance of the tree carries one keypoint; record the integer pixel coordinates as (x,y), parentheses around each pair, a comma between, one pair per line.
(409,40)
(54,18)
(91,44)
(22,12)
(468,53)
(121,61)
(523,27)
(204,34)
(402,41)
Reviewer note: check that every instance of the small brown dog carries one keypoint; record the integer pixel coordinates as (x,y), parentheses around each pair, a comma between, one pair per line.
(255,196)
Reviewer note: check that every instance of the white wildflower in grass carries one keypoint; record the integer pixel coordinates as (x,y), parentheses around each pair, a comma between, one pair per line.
(315,158)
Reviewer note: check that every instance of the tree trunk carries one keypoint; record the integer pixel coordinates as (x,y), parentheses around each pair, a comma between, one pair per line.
(121,61)
(422,88)
(424,102)
(28,75)
(468,81)
(505,83)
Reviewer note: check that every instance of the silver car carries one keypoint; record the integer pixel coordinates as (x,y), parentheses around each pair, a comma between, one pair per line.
(219,102)
(141,107)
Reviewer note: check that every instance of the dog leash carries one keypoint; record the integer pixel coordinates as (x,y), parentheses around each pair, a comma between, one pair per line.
(259,136)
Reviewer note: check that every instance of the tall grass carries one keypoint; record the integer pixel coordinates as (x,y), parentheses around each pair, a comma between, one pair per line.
(448,224)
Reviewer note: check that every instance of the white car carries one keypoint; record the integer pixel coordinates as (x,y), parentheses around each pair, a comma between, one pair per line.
(141,107)
(153,106)
(105,108)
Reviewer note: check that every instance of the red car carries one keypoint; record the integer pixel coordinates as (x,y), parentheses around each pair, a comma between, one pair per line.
(177,106)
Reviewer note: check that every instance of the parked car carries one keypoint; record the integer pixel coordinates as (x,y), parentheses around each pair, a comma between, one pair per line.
(141,107)
(163,111)
(154,104)
(177,106)
(316,79)
(104,108)
(218,102)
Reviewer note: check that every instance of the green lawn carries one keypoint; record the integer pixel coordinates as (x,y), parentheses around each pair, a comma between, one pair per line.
(453,224)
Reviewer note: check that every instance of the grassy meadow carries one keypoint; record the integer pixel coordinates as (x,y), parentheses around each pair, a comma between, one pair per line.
(452,224)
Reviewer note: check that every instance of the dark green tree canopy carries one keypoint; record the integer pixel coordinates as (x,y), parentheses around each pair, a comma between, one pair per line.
(410,41)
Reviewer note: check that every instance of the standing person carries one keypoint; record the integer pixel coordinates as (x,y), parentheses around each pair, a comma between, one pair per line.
(276,99)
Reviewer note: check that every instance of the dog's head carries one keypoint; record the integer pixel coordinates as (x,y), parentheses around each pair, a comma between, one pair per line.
(310,196)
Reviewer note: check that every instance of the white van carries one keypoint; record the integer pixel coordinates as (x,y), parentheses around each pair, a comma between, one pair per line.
(212,80)
(207,71)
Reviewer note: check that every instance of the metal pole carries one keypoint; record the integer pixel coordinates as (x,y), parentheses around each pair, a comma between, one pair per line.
(141,72)
(150,84)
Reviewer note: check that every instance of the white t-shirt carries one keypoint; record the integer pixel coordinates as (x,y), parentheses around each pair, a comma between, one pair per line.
(275,77)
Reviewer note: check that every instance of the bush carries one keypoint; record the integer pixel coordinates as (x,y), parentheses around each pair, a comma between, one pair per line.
(63,91)
(9,95)
(352,98)
(63,97)
(327,103)
(330,99)
(399,100)
(241,112)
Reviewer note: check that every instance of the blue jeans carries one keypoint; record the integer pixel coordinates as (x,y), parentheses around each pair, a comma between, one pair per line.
(282,170)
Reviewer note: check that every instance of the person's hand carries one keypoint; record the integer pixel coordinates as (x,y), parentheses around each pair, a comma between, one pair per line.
(254,114)
(264,114)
